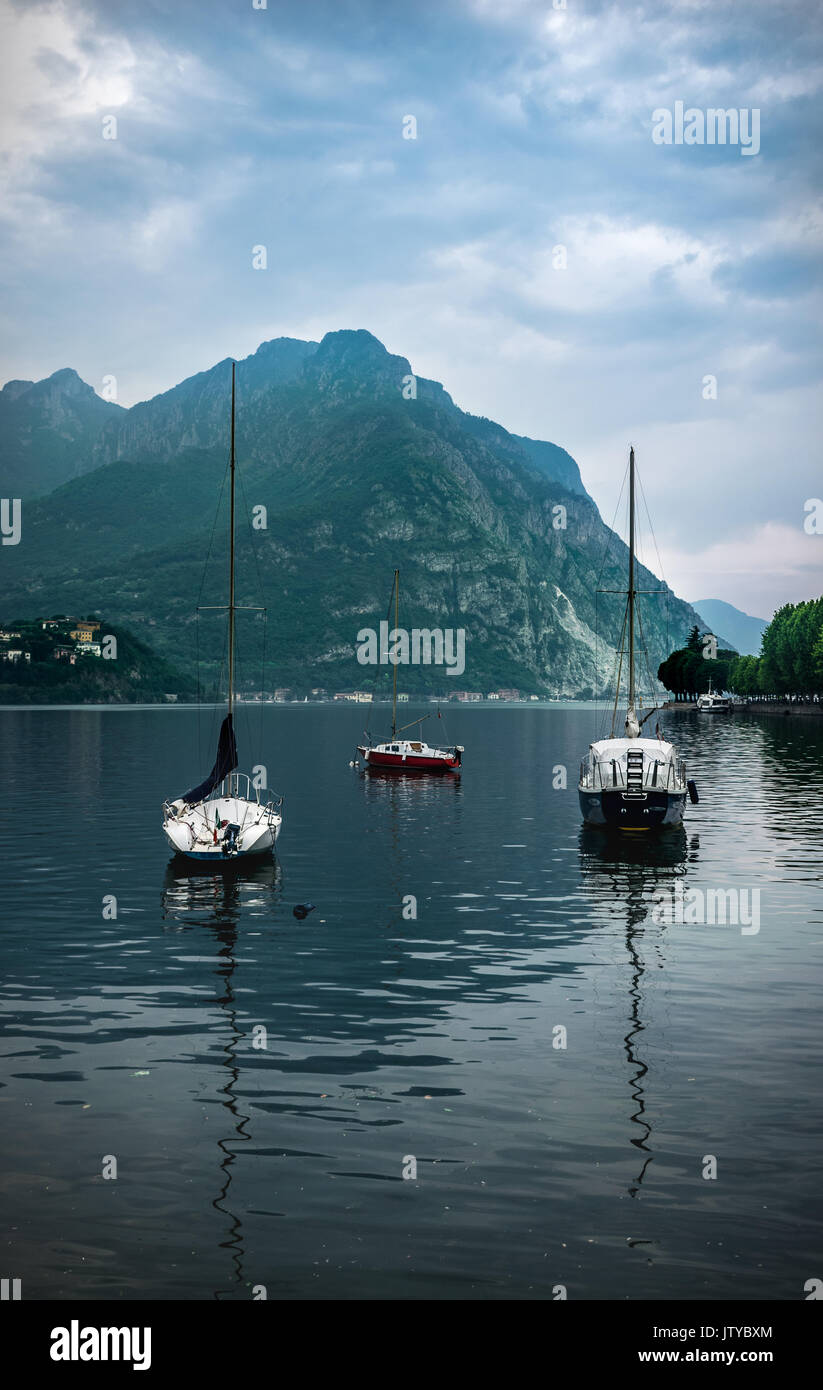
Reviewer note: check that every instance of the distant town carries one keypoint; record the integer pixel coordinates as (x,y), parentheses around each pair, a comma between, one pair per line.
(286,696)
(66,640)
(38,654)
(62,659)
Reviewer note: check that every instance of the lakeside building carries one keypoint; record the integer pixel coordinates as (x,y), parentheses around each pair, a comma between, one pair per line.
(84,631)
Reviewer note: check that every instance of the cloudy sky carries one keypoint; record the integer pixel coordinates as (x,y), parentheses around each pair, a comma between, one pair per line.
(284,126)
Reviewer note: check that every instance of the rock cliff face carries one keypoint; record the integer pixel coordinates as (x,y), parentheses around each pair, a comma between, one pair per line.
(360,467)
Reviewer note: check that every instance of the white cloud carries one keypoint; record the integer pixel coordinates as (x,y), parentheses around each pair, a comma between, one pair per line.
(54,67)
(771,565)
(609,262)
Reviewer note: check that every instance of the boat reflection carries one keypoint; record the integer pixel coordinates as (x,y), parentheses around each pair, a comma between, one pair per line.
(419,784)
(397,798)
(194,895)
(626,871)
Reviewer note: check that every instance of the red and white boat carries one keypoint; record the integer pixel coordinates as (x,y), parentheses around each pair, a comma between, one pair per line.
(411,755)
(398,754)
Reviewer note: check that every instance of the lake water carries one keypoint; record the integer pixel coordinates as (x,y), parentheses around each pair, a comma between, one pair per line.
(391,1038)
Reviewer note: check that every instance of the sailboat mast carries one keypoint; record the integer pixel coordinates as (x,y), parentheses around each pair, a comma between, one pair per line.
(396,626)
(231,552)
(631,578)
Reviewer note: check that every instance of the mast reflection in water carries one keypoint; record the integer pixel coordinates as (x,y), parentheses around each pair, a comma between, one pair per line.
(194,896)
(626,871)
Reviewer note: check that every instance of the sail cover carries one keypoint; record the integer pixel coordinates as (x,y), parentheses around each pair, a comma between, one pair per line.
(225,763)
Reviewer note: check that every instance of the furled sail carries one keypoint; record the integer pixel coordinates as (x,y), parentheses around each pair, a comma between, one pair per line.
(225,762)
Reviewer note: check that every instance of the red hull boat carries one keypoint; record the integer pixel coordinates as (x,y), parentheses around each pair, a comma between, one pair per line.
(403,755)
(398,754)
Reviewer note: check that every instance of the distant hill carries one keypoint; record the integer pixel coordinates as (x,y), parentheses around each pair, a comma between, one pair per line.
(742,631)
(48,432)
(54,669)
(361,467)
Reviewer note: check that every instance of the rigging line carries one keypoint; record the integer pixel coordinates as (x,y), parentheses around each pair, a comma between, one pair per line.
(199,702)
(251,537)
(197,614)
(611,528)
(377,672)
(659,561)
(238,667)
(596,657)
(645,650)
(619,667)
(211,537)
(651,528)
(217,717)
(263,680)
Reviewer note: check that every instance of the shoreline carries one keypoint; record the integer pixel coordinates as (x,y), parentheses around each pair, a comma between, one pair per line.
(776,708)
(451,705)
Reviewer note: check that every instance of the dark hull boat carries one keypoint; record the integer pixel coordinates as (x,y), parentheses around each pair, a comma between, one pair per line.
(633,783)
(605,799)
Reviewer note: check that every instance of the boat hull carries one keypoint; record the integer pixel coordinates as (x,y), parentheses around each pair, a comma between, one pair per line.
(222,859)
(412,762)
(654,810)
(191,832)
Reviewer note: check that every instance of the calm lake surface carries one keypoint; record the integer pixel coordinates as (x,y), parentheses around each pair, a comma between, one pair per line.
(391,1038)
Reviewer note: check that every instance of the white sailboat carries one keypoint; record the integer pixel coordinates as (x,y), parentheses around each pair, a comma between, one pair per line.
(224,818)
(631,782)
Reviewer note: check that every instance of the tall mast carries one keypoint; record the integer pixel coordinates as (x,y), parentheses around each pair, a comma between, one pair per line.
(631,578)
(396,626)
(231,553)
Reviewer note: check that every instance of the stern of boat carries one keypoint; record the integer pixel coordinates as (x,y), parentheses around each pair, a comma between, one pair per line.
(642,793)
(232,824)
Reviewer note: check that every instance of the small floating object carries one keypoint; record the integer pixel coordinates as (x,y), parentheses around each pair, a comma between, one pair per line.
(302,910)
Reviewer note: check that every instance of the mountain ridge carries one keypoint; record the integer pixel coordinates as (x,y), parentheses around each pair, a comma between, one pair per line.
(494,532)
(742,629)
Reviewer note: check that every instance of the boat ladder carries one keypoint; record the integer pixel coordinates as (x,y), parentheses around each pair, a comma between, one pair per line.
(634,773)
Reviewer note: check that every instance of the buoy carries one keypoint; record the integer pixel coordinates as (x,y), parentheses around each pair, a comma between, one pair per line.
(302,910)
(693,797)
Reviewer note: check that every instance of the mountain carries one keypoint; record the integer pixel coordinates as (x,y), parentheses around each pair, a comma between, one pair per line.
(48,431)
(492,532)
(742,630)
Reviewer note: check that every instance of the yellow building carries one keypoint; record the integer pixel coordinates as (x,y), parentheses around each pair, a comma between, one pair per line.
(84,631)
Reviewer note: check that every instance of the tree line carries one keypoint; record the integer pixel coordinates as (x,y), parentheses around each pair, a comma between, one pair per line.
(790,661)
